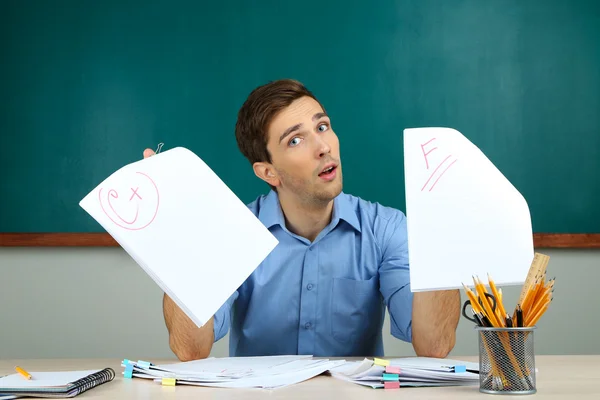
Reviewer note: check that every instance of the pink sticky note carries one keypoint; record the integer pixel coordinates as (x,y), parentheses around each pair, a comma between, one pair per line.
(392,370)
(391,385)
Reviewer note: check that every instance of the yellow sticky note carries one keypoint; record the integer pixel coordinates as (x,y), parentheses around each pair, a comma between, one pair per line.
(379,361)
(168,381)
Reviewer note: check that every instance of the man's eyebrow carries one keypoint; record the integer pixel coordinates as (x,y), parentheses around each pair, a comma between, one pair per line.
(288,131)
(319,116)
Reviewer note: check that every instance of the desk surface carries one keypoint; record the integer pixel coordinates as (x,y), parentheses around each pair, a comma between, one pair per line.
(559,377)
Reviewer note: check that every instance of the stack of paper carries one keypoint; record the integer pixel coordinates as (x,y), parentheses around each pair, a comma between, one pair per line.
(410,371)
(233,372)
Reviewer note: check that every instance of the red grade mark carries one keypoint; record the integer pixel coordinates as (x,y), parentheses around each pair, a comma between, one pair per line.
(431,176)
(426,154)
(135,193)
(113,194)
(443,172)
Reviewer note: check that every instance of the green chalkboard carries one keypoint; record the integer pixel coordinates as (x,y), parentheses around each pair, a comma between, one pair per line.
(85,86)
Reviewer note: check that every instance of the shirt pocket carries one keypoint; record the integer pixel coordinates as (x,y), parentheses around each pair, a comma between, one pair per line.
(354,309)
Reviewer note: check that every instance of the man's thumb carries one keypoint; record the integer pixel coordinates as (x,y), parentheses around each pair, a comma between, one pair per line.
(148,153)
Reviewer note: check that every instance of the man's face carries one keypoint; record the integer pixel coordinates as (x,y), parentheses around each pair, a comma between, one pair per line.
(305,153)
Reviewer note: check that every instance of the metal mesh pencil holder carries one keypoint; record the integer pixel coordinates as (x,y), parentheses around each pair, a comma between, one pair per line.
(506,360)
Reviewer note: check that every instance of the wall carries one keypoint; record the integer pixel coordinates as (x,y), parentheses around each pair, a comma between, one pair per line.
(96,302)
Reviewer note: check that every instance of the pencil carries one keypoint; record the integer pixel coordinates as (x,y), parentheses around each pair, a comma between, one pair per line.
(486,303)
(501,312)
(529,298)
(536,314)
(473,298)
(544,299)
(537,317)
(21,371)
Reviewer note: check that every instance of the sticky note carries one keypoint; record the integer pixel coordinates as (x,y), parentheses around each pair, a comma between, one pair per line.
(391,385)
(460,368)
(168,381)
(143,364)
(392,370)
(390,377)
(128,373)
(382,362)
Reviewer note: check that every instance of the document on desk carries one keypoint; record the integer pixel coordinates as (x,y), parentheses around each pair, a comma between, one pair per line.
(267,372)
(464,217)
(409,372)
(180,223)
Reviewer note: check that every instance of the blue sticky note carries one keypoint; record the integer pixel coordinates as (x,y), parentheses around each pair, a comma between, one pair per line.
(128,371)
(390,377)
(143,364)
(460,368)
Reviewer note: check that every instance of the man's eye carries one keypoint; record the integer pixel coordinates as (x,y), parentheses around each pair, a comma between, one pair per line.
(294,142)
(322,127)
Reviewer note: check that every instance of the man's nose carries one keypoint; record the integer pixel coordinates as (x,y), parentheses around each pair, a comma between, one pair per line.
(323,147)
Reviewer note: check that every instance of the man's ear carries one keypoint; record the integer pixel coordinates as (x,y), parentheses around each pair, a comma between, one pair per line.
(267,173)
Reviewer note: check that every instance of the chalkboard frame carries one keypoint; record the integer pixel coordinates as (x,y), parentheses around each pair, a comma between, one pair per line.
(540,240)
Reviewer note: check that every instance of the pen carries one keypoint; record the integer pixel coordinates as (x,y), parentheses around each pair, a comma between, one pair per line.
(25,374)
(519,317)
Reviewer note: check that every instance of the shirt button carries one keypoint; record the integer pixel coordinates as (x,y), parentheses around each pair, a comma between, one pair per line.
(309,286)
(307,325)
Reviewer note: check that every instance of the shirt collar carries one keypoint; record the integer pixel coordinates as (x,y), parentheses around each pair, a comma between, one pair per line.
(270,211)
(343,209)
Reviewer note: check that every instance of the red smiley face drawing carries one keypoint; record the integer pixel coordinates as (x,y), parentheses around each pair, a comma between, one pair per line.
(134,204)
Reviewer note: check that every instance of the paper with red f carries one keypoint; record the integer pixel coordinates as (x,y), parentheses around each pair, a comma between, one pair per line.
(464,217)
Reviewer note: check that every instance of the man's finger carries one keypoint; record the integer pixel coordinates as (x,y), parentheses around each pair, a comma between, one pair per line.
(148,153)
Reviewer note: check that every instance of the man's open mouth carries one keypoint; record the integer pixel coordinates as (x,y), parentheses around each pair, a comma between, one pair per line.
(328,170)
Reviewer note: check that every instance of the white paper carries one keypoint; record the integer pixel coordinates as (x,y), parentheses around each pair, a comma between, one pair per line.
(231,367)
(414,371)
(464,217)
(273,380)
(432,364)
(188,231)
(240,372)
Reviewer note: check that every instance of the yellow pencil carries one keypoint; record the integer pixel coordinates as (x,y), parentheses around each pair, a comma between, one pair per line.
(485,302)
(500,311)
(25,374)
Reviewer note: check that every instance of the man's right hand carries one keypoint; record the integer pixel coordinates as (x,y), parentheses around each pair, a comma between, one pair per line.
(186,340)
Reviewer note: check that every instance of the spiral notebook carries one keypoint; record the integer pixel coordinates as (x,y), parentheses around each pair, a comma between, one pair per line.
(58,384)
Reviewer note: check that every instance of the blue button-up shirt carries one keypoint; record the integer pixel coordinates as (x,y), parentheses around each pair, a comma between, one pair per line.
(326,297)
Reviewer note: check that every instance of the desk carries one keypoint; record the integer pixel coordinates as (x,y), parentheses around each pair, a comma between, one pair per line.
(559,377)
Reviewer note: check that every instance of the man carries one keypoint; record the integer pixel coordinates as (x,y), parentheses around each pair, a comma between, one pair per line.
(340,260)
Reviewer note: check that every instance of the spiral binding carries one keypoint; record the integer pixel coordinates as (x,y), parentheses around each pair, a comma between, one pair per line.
(93,380)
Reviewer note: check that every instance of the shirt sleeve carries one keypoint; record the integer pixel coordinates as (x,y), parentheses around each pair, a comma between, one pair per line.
(394,276)
(222,318)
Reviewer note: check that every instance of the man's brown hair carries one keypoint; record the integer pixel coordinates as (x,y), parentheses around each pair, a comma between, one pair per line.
(257,112)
